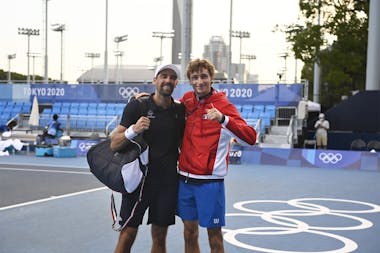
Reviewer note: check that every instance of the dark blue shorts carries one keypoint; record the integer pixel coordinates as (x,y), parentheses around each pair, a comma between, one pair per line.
(204,202)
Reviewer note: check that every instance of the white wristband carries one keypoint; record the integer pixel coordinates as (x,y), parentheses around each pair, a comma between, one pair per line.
(129,133)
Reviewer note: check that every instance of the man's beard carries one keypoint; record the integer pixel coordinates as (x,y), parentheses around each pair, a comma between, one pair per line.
(165,92)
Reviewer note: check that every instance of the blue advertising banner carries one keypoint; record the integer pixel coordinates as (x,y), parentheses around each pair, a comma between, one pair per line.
(277,94)
(316,158)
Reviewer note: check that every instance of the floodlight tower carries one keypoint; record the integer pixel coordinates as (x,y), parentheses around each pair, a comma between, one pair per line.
(28,32)
(119,54)
(163,35)
(60,28)
(249,57)
(10,57)
(241,35)
(92,56)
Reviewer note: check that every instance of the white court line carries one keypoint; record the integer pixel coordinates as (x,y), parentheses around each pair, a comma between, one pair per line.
(52,198)
(49,171)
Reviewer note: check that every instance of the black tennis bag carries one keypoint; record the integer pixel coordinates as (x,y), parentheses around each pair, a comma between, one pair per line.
(107,165)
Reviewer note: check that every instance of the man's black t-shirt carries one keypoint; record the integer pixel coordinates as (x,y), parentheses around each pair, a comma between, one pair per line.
(163,137)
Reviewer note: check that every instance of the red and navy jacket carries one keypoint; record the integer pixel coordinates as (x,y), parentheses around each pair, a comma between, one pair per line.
(205,145)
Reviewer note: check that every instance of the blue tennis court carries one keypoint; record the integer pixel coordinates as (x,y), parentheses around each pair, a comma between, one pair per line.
(56,205)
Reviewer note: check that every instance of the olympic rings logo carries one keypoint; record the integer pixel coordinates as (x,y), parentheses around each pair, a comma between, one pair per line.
(127,92)
(330,157)
(288,225)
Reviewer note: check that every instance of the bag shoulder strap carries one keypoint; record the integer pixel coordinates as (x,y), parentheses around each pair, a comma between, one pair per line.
(144,105)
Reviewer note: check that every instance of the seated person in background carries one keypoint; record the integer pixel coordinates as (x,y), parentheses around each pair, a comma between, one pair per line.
(52,129)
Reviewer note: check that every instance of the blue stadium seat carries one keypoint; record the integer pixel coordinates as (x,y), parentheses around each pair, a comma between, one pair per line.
(102,106)
(66,105)
(92,111)
(91,124)
(47,111)
(111,112)
(247,108)
(101,112)
(81,123)
(258,108)
(271,110)
(253,115)
(83,111)
(74,105)
(238,107)
(74,110)
(65,110)
(92,105)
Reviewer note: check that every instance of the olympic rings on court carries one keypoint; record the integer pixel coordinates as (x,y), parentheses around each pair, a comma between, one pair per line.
(287,223)
(127,92)
(330,157)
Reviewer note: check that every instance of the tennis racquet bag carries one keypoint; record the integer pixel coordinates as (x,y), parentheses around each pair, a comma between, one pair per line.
(120,171)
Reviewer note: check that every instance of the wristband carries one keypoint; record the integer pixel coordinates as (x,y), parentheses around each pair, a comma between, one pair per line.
(129,133)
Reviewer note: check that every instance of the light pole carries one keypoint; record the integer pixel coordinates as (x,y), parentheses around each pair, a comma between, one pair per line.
(230,45)
(92,56)
(249,57)
(46,77)
(105,68)
(10,57)
(242,35)
(285,56)
(33,55)
(119,54)
(60,28)
(29,32)
(163,35)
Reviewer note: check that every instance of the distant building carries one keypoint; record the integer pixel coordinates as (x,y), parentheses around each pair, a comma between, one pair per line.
(126,74)
(217,52)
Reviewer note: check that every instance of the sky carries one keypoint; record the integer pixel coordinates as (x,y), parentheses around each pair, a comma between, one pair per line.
(85,33)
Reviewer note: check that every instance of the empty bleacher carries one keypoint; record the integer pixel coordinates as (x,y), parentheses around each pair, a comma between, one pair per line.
(77,119)
(258,116)
(10,109)
(84,117)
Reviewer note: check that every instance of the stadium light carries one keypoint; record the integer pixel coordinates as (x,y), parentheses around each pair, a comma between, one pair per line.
(10,57)
(60,28)
(33,55)
(46,75)
(241,35)
(284,55)
(28,32)
(119,54)
(248,57)
(163,35)
(92,56)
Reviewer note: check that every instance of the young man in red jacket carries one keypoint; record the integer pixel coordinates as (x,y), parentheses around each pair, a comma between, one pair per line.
(211,122)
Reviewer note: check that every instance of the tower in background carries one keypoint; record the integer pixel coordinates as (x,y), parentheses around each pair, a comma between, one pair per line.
(182,26)
(217,52)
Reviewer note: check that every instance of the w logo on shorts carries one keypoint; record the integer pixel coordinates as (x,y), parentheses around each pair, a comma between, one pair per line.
(216,221)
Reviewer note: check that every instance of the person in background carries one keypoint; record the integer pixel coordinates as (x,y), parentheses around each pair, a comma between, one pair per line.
(52,129)
(211,121)
(162,129)
(322,126)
